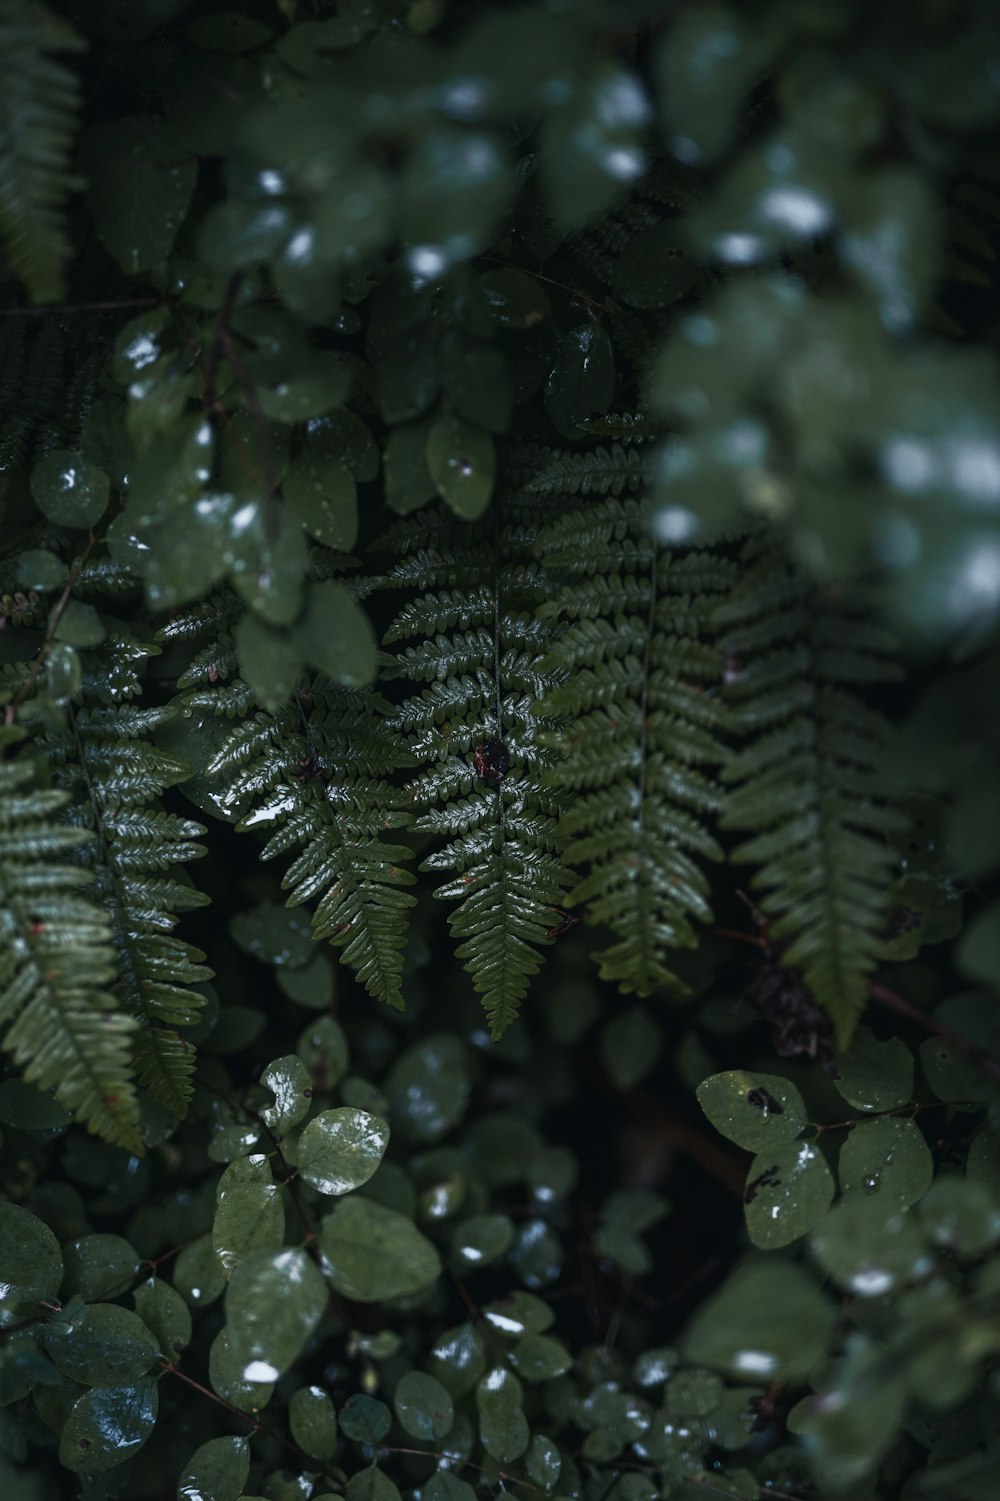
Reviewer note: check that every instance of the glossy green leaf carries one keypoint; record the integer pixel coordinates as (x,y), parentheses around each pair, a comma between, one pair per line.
(875,1075)
(68,490)
(31,1263)
(371,1484)
(429,1087)
(323,497)
(581,383)
(517,1314)
(198,1274)
(461,461)
(271,659)
(423,1406)
(754,1110)
(335,635)
(290,1082)
(503,1427)
(322,1046)
(216,1471)
(313,1422)
(372,1253)
(40,569)
(789,1189)
(250,1214)
(99,1266)
(166,1316)
(408,480)
(340,1149)
(458,1358)
(481,1238)
(593,146)
(868,1249)
(962,1216)
(79,625)
(105,1427)
(769,1321)
(105,1346)
(365,1419)
(537,1357)
(889,1158)
(226,1372)
(543,1462)
(444,1485)
(140,188)
(274,1301)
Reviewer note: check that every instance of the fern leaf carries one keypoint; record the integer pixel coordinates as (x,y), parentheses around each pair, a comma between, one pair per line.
(109,764)
(640,692)
(600,471)
(39,105)
(476,649)
(57,1008)
(315,775)
(805,784)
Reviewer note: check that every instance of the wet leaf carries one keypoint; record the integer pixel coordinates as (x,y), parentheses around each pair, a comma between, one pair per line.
(372,1253)
(31,1264)
(106,1346)
(226,1372)
(198,1274)
(42,570)
(789,1189)
(581,383)
(340,1149)
(408,481)
(889,1158)
(458,1358)
(542,1461)
(870,1250)
(961,1215)
(769,1321)
(481,1238)
(322,1046)
(140,188)
(291,1084)
(336,636)
(423,1406)
(593,146)
(68,490)
(270,659)
(107,1426)
(461,460)
(166,1316)
(503,1427)
(250,1214)
(517,1314)
(99,1266)
(428,1087)
(274,1301)
(365,1419)
(371,1485)
(323,497)
(313,1422)
(537,1357)
(754,1110)
(216,1471)
(875,1075)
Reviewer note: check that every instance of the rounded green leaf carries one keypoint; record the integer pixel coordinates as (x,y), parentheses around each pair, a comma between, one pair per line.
(216,1471)
(68,490)
(870,1252)
(444,1485)
(581,383)
(543,1461)
(875,1075)
(503,1427)
(788,1191)
(79,625)
(630,1045)
(323,497)
(165,1314)
(274,1301)
(140,187)
(408,482)
(458,1357)
(291,1084)
(42,570)
(250,1214)
(270,659)
(226,1372)
(313,1422)
(336,635)
(99,1266)
(107,1426)
(769,1321)
(887,1157)
(107,1346)
(961,1215)
(481,1238)
(423,1406)
(365,1419)
(322,1046)
(371,1485)
(429,1087)
(537,1357)
(340,1149)
(198,1274)
(754,1110)
(31,1264)
(517,1314)
(461,460)
(372,1253)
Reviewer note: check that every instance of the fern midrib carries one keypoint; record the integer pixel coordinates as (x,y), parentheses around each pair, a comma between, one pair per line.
(639,822)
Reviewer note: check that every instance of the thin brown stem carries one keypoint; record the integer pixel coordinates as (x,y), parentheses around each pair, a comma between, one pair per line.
(898,1003)
(54,618)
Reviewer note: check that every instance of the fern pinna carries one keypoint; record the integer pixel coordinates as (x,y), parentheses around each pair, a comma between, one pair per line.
(805,783)
(58,1011)
(105,757)
(475,727)
(640,671)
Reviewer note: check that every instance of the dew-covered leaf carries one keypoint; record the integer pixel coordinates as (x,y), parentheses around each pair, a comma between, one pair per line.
(754,1110)
(372,1253)
(341,1149)
(107,1426)
(423,1406)
(274,1301)
(216,1471)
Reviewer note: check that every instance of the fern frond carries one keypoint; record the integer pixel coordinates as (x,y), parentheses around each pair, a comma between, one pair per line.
(107,761)
(315,773)
(599,471)
(806,783)
(57,1007)
(39,106)
(641,673)
(477,651)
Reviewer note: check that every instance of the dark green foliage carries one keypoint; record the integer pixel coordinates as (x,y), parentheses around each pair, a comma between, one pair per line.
(537,465)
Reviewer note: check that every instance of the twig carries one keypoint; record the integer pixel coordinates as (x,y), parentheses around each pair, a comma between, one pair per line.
(57,613)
